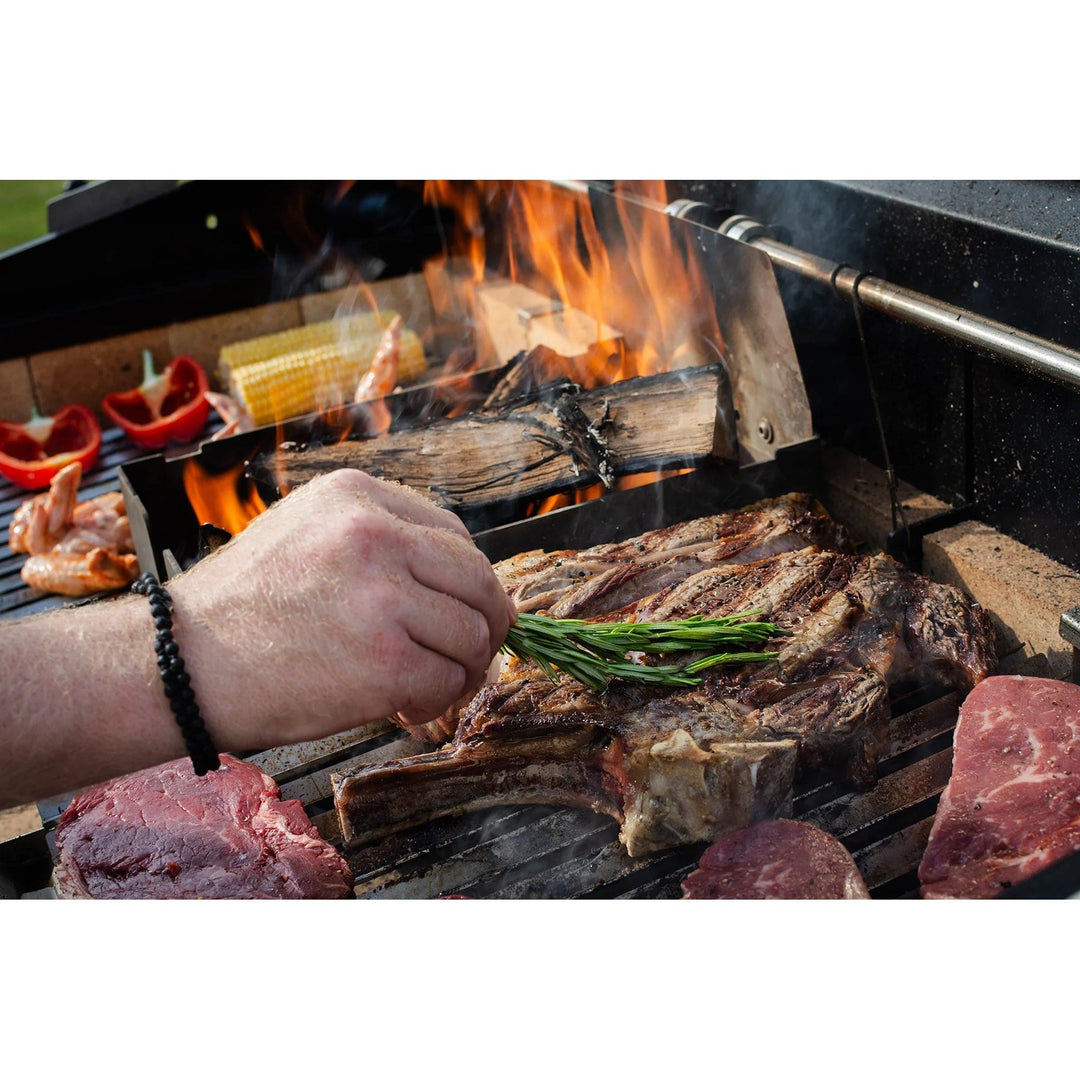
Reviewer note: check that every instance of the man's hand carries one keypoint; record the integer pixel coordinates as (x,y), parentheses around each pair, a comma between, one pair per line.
(349,600)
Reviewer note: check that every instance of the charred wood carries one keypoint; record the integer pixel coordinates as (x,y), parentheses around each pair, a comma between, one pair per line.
(528,371)
(552,440)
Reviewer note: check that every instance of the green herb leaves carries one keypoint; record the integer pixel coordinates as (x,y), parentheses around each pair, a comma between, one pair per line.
(596,652)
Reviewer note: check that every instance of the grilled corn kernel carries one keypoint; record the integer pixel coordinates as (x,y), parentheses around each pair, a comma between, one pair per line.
(311,379)
(299,338)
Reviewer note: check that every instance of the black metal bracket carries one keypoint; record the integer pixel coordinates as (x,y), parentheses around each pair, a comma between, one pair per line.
(906,544)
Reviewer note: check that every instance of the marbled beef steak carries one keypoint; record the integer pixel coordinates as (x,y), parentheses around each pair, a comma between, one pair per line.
(776,860)
(165,833)
(1012,804)
(675,766)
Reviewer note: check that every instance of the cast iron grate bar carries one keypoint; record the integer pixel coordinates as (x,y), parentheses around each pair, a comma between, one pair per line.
(529,858)
(423,847)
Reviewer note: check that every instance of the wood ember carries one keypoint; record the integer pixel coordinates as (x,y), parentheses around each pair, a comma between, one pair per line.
(556,439)
(529,370)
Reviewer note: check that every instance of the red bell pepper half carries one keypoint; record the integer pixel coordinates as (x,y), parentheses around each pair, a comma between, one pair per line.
(31,454)
(170,407)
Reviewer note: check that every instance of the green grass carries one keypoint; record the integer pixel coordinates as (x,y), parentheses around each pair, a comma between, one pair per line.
(22,209)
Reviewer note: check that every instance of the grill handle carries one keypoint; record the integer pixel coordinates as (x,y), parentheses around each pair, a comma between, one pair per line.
(1022,350)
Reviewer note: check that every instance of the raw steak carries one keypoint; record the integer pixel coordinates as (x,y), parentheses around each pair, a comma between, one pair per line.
(1012,805)
(776,860)
(605,578)
(169,834)
(676,766)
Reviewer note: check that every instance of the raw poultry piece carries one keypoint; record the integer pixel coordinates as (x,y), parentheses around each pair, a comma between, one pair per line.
(677,766)
(1012,804)
(75,548)
(165,833)
(381,378)
(235,418)
(776,860)
(575,584)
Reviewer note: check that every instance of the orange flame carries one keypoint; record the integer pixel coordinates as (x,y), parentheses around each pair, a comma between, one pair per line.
(595,491)
(609,303)
(256,236)
(466,201)
(654,296)
(228,500)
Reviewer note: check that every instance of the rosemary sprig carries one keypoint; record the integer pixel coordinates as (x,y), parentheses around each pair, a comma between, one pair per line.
(596,652)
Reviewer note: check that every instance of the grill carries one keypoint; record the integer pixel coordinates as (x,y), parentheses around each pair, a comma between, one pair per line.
(531,851)
(540,851)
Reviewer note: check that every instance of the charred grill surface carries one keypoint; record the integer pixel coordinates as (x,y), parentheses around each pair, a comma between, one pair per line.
(546,851)
(690,764)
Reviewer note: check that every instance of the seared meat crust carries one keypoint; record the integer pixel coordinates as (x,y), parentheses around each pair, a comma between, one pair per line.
(693,763)
(609,577)
(604,578)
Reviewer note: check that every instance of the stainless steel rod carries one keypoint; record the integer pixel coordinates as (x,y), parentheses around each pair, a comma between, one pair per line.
(1023,350)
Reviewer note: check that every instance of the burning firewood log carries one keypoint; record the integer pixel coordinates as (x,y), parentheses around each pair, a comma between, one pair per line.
(555,439)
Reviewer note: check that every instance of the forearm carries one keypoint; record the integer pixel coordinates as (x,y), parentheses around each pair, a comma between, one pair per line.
(392,610)
(81,700)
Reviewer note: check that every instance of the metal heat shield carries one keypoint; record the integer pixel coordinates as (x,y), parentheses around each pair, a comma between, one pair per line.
(772,409)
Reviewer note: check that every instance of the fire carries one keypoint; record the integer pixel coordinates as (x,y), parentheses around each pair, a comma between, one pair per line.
(228,500)
(620,306)
(466,201)
(610,291)
(638,292)
(596,491)
(253,233)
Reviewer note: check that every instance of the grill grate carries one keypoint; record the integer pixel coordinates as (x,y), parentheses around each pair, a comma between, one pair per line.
(530,852)
(557,852)
(544,852)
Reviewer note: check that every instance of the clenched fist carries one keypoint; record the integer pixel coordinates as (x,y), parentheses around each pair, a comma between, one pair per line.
(349,600)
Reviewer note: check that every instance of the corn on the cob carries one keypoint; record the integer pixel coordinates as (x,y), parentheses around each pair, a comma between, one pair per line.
(311,379)
(298,338)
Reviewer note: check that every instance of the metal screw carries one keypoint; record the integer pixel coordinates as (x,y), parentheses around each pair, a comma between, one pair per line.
(765,429)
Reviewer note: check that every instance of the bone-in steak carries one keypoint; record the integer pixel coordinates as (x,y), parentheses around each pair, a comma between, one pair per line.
(575,584)
(776,860)
(1012,804)
(166,833)
(675,766)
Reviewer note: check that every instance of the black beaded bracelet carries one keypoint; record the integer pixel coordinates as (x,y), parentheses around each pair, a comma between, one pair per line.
(175,678)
